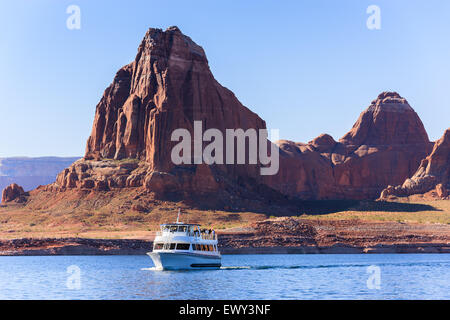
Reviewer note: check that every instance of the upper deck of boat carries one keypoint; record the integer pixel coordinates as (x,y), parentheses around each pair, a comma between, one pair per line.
(186,230)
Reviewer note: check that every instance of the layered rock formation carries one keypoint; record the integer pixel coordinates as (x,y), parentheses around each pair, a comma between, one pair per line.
(169,86)
(13,192)
(386,144)
(432,174)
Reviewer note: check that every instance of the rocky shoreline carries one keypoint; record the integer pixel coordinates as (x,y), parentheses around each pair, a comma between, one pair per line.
(273,236)
(81,246)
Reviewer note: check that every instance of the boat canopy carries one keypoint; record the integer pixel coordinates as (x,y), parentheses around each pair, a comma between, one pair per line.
(179,227)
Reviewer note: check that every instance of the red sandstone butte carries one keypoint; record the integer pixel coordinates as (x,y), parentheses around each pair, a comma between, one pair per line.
(13,192)
(168,86)
(386,144)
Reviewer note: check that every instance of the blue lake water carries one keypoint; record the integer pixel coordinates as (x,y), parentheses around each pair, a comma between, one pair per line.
(397,276)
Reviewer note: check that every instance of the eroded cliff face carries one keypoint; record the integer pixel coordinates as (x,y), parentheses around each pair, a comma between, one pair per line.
(433,173)
(168,86)
(386,144)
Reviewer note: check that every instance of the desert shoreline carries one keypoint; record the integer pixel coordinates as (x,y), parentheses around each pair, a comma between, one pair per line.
(84,246)
(271,236)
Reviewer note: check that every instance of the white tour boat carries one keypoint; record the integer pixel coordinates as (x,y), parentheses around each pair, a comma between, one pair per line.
(185,246)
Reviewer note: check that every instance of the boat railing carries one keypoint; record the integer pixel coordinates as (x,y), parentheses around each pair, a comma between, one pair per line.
(203,236)
(206,236)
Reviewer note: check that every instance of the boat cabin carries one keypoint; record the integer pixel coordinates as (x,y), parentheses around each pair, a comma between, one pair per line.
(183,236)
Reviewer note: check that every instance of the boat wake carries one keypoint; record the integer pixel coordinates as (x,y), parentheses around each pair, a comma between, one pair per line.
(267,267)
(235,268)
(325,266)
(221,268)
(150,269)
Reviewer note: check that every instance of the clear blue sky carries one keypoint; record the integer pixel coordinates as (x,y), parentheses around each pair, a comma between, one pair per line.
(306,67)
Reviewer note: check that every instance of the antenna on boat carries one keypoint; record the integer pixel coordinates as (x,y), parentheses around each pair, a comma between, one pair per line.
(178,217)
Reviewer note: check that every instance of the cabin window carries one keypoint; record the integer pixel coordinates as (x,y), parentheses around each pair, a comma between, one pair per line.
(173,229)
(158,246)
(211,248)
(182,229)
(172,246)
(183,246)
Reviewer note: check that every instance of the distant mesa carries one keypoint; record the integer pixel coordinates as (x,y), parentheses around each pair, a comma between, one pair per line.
(30,172)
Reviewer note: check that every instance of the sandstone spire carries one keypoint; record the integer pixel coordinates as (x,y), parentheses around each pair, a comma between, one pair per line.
(168,86)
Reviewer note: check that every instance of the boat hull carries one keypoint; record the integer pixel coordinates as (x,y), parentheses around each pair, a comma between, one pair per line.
(184,261)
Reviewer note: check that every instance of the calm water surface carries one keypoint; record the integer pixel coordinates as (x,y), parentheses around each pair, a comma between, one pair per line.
(402,276)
